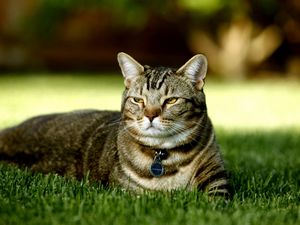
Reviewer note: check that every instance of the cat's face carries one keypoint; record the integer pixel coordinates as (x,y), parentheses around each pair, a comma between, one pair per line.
(161,106)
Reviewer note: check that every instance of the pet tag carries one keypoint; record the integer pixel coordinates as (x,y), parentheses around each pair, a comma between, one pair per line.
(156,168)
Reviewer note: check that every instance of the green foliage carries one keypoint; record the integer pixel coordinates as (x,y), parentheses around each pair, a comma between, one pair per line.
(209,8)
(50,13)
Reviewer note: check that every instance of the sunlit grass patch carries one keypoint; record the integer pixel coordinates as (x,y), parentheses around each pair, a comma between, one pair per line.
(258,104)
(24,96)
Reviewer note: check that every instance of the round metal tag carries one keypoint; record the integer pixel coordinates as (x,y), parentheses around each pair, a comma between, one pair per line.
(157,169)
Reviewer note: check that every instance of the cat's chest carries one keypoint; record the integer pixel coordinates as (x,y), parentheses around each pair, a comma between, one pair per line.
(134,168)
(180,179)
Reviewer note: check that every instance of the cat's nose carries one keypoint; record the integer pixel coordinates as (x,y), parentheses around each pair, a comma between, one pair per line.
(151,118)
(152,112)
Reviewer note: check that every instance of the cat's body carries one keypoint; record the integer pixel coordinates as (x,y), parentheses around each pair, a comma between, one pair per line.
(161,140)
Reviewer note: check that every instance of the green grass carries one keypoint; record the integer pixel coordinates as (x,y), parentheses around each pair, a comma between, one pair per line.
(257,125)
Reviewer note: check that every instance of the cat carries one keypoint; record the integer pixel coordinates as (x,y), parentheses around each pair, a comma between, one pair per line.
(161,140)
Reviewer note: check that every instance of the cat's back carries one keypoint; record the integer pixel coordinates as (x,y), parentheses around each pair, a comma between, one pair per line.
(60,131)
(65,124)
(63,143)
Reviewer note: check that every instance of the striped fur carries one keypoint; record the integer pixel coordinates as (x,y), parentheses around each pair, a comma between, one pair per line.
(162,109)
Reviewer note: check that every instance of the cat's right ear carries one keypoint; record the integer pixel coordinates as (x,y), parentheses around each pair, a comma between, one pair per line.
(130,68)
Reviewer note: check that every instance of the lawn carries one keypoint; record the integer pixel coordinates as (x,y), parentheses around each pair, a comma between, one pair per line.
(257,125)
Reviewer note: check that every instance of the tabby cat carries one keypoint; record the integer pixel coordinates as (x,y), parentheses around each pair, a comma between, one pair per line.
(161,140)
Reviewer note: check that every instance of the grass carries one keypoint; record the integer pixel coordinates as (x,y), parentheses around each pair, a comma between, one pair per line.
(257,126)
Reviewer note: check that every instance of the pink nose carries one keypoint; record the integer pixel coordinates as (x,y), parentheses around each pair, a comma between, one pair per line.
(152,112)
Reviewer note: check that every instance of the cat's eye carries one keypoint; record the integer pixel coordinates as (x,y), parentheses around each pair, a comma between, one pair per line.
(171,100)
(138,100)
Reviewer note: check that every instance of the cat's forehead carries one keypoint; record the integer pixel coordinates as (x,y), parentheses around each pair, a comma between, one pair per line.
(159,81)
(158,69)
(156,78)
(157,72)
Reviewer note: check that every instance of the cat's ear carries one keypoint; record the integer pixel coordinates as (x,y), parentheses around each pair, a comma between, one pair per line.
(195,69)
(130,68)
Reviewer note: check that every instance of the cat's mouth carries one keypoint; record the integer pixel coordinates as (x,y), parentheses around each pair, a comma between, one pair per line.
(152,130)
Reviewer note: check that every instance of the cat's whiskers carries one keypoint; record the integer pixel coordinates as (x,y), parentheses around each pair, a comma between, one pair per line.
(129,128)
(181,130)
(114,123)
(170,133)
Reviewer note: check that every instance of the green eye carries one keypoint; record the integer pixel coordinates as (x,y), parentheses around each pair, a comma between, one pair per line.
(171,100)
(138,100)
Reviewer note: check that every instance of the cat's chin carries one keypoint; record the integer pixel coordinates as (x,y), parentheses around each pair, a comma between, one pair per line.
(163,139)
(159,142)
(155,142)
(153,132)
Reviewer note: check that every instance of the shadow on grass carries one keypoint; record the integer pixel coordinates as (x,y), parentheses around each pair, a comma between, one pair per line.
(263,163)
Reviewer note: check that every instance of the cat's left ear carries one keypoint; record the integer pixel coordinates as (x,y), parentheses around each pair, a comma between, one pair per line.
(195,69)
(130,68)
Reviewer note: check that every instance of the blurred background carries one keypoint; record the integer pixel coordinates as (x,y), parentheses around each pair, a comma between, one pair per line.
(241,38)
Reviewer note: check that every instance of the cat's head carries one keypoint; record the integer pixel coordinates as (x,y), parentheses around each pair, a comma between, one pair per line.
(162,107)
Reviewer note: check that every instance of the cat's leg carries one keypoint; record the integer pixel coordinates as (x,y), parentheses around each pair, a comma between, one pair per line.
(210,175)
